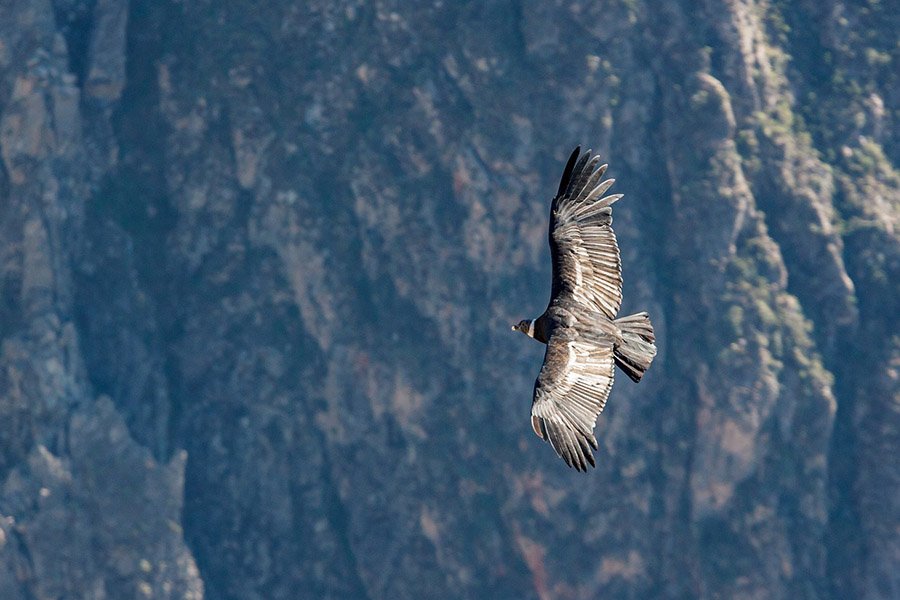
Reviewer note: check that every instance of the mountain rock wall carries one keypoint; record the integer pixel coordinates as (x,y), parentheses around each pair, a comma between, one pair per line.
(258,263)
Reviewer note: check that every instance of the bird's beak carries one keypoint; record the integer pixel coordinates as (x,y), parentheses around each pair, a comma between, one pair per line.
(513,327)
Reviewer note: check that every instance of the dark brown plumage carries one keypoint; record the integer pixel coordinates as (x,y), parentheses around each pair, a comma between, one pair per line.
(583,336)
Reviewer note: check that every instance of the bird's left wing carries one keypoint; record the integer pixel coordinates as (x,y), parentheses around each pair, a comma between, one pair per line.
(571,391)
(586,262)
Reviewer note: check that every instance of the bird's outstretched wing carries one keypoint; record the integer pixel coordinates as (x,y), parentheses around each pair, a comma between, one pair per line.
(586,263)
(571,391)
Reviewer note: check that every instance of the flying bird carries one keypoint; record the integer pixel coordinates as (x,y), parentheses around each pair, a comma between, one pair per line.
(583,336)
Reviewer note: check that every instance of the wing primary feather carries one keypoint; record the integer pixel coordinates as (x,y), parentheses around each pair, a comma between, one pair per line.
(581,183)
(556,440)
(588,187)
(567,172)
(576,172)
(576,437)
(598,207)
(600,189)
(568,445)
(609,200)
(571,448)
(586,450)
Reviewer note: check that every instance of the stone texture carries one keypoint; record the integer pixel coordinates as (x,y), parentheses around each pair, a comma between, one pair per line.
(258,263)
(103,522)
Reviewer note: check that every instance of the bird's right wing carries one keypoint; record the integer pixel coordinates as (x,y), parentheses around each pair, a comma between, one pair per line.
(583,247)
(571,391)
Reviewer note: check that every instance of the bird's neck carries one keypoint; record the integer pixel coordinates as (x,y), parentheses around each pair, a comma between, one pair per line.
(539,329)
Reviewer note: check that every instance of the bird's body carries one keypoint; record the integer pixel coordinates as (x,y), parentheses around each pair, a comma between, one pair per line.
(584,338)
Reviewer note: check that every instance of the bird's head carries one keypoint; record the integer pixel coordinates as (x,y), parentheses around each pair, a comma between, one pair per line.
(526,327)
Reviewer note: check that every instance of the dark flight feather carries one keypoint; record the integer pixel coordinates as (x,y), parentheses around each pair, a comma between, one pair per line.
(567,172)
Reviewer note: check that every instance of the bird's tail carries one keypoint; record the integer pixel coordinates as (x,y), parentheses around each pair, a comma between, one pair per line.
(636,351)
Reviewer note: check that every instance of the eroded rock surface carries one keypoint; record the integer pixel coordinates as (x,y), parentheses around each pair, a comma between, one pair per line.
(258,263)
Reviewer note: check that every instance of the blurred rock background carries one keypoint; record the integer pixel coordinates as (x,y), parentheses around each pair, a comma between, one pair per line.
(258,263)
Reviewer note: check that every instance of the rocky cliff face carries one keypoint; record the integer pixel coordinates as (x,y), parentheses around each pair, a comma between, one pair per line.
(258,264)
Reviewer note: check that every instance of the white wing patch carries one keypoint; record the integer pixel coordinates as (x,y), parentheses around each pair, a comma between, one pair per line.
(571,392)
